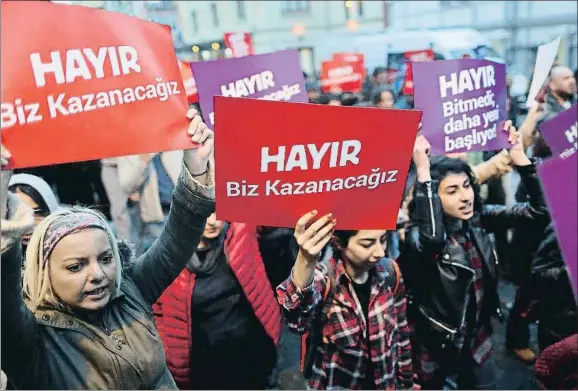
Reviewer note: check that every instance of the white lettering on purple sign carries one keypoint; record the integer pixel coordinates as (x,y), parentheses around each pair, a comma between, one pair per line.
(572,137)
(469,121)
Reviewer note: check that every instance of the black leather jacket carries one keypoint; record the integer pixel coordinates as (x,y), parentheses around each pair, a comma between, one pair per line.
(438,273)
(555,303)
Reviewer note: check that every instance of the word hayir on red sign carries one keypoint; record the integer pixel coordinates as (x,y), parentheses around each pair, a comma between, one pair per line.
(83,77)
(290,158)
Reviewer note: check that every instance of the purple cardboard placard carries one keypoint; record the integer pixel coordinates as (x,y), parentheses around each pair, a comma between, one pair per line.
(271,76)
(561,133)
(559,181)
(463,104)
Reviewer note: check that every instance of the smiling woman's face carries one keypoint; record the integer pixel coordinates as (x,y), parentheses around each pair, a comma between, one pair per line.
(83,270)
(457,196)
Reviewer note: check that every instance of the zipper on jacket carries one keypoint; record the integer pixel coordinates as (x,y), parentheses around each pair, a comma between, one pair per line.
(497,260)
(464,312)
(431,208)
(437,323)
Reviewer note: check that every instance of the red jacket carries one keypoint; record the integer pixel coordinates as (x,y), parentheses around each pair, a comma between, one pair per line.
(173,309)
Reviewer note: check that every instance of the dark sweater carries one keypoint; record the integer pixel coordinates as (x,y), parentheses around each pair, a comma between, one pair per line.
(231,349)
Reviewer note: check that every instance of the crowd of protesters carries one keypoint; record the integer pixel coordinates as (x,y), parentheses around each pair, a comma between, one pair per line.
(146,289)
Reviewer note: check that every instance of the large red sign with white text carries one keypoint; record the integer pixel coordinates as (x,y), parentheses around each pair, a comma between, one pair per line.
(276,161)
(81,84)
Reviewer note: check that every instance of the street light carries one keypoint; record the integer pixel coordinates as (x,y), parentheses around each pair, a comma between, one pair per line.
(352,25)
(298,30)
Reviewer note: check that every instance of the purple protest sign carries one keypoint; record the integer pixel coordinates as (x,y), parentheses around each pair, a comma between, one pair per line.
(561,133)
(271,76)
(559,182)
(463,104)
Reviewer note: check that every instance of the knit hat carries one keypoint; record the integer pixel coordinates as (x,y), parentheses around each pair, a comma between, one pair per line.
(40,186)
(555,368)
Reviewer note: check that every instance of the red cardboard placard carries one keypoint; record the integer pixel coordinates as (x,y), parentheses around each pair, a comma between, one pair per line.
(342,76)
(81,84)
(414,56)
(241,44)
(348,57)
(275,161)
(189,81)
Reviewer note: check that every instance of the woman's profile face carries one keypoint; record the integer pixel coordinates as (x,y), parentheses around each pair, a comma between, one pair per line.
(213,228)
(39,215)
(366,248)
(83,270)
(457,196)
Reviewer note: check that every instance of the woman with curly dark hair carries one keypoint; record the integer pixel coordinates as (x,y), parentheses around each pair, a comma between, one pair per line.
(452,268)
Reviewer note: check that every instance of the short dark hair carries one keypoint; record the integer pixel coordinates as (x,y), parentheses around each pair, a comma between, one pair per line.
(441,167)
(378,70)
(324,99)
(32,193)
(349,99)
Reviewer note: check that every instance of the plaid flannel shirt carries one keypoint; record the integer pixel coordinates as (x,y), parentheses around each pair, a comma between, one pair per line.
(341,359)
(480,341)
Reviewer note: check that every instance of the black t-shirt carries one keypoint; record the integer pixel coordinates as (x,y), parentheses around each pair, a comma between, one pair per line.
(231,349)
(363,292)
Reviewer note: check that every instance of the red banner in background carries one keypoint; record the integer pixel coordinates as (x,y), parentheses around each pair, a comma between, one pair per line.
(414,56)
(241,44)
(189,82)
(86,84)
(351,57)
(339,75)
(312,160)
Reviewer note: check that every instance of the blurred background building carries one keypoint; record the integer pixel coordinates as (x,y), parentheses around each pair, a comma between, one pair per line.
(514,28)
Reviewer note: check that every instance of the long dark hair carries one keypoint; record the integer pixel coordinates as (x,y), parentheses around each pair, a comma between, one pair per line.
(32,193)
(441,167)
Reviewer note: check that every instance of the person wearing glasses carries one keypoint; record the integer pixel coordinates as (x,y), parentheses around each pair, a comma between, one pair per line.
(36,194)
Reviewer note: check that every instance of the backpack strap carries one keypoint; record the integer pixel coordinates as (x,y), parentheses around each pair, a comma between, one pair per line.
(394,275)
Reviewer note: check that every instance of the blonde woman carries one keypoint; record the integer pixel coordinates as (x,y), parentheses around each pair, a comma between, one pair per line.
(80,321)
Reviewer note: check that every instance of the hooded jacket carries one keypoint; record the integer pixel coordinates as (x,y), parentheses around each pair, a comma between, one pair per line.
(56,349)
(40,186)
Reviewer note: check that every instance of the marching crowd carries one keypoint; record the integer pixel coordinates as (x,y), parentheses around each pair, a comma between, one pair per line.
(146,289)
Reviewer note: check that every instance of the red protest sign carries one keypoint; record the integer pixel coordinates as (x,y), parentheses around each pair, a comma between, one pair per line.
(189,81)
(414,56)
(277,160)
(349,57)
(342,76)
(241,44)
(82,84)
